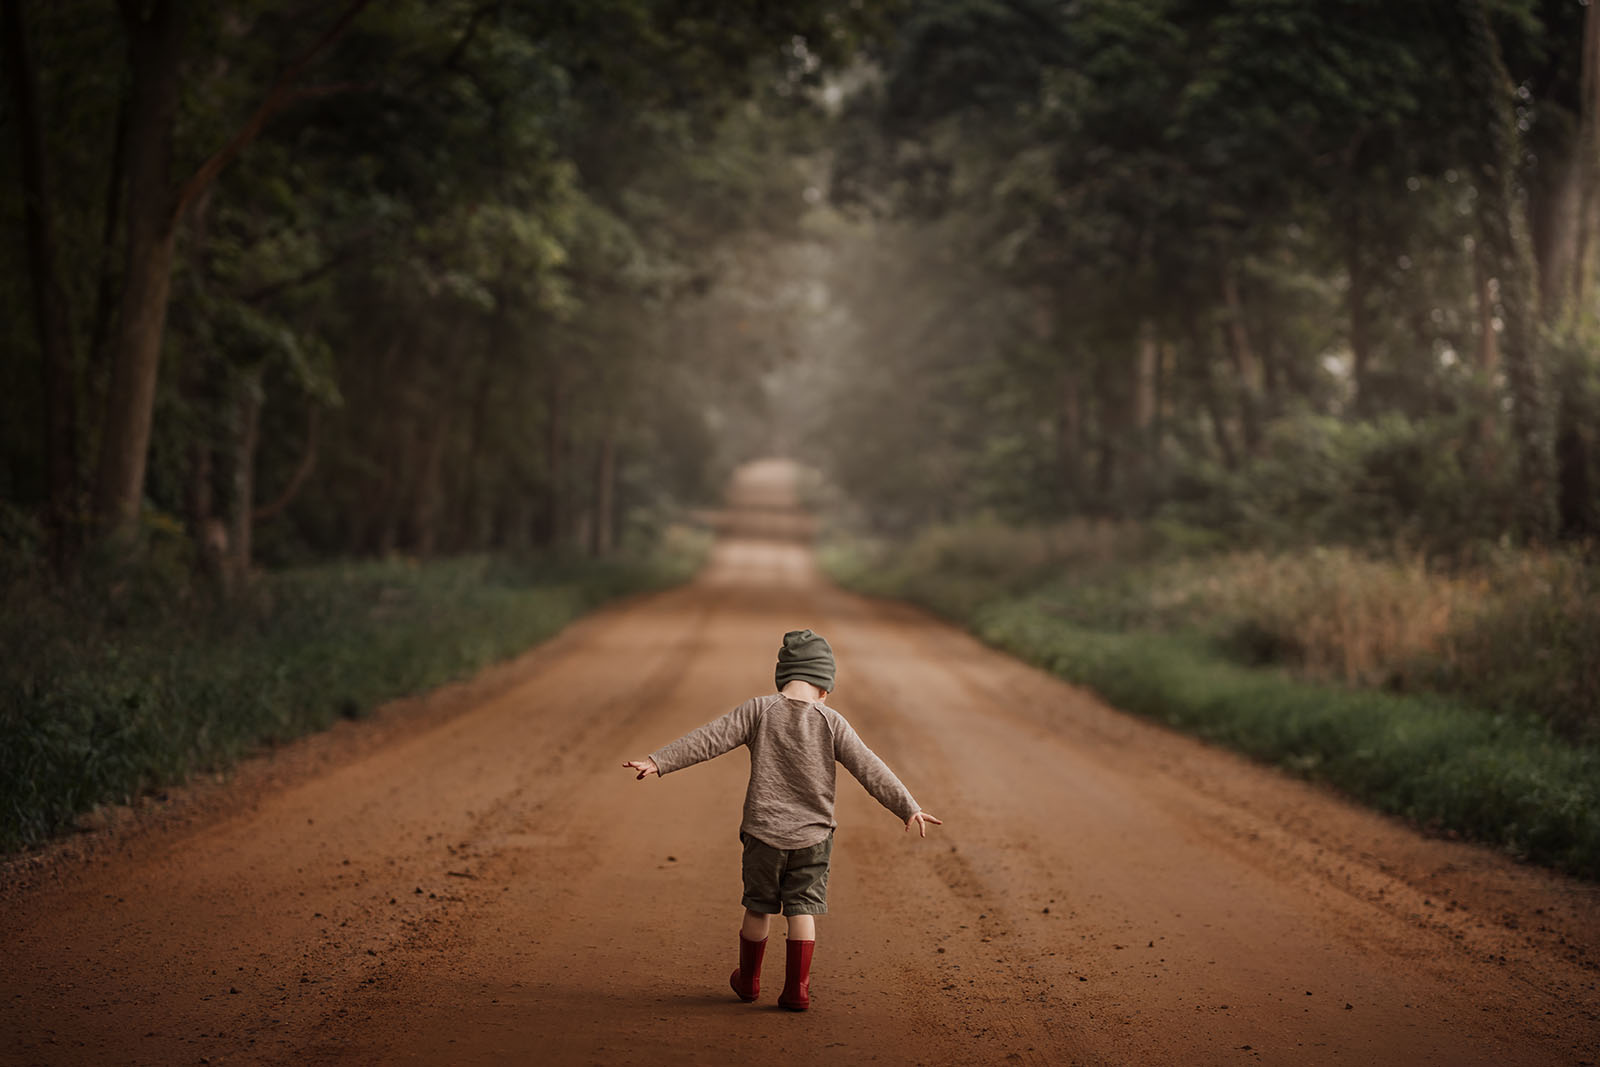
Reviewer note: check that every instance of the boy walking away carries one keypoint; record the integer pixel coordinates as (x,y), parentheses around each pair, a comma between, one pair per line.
(794,740)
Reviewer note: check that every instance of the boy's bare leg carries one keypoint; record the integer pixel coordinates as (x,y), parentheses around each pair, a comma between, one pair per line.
(802,928)
(754,927)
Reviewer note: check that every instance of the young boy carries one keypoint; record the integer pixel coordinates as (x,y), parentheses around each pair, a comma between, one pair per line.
(794,740)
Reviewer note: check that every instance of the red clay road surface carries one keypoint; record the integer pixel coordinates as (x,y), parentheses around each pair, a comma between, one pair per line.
(472,878)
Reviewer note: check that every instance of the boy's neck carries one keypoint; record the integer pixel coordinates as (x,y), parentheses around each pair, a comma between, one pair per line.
(802,690)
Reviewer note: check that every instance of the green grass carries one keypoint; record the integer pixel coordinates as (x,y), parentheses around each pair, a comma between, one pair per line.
(1502,778)
(102,700)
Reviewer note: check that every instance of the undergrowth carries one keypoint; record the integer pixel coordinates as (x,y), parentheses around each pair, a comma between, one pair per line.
(1464,697)
(104,698)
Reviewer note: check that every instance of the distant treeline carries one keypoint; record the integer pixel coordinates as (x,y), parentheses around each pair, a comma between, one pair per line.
(1320,270)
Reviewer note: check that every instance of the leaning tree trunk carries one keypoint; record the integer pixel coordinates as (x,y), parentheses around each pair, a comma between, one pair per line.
(155,208)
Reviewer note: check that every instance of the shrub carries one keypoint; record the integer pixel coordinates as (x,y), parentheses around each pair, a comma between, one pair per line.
(1325,480)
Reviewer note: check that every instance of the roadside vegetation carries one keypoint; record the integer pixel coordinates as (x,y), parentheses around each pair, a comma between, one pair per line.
(102,699)
(1465,697)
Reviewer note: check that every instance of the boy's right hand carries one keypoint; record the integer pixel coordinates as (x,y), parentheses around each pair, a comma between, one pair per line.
(921,820)
(644,767)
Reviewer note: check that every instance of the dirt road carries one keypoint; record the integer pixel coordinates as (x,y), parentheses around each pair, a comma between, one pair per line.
(473,878)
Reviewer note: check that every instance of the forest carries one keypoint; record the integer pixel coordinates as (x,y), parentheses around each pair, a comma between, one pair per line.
(1199,316)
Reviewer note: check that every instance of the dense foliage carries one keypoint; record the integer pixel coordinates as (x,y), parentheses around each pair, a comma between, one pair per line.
(1324,270)
(421,277)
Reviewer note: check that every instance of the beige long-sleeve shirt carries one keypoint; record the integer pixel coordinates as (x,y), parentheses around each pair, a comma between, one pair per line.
(794,745)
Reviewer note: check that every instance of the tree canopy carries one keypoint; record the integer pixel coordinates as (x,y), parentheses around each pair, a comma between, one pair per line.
(1229,255)
(288,282)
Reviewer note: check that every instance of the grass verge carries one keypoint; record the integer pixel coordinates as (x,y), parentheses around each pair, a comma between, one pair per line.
(1503,778)
(100,702)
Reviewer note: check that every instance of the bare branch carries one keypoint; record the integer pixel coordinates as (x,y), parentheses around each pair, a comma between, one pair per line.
(282,93)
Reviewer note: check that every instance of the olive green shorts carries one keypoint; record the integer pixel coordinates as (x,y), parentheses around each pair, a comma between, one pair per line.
(791,880)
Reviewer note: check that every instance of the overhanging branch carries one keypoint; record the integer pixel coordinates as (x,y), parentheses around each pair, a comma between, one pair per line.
(282,93)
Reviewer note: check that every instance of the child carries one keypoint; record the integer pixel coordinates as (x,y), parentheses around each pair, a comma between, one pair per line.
(794,739)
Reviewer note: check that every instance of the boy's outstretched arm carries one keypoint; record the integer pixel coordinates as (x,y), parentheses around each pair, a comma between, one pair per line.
(876,777)
(708,742)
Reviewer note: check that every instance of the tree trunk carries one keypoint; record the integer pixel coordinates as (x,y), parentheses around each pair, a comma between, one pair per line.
(1110,416)
(1206,380)
(49,300)
(1560,222)
(153,42)
(1146,369)
(1494,143)
(1577,447)
(386,534)
(605,478)
(474,523)
(247,439)
(1565,219)
(425,493)
(1588,154)
(209,534)
(557,517)
(105,271)
(1069,439)
(1488,360)
(1245,361)
(1360,323)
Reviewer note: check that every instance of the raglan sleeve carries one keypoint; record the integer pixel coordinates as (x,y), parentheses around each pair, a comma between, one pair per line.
(873,774)
(709,741)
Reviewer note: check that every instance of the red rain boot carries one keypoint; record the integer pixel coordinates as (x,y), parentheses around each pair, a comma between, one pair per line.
(746,978)
(796,995)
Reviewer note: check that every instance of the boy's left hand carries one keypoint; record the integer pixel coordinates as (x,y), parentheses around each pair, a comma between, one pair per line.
(921,819)
(644,767)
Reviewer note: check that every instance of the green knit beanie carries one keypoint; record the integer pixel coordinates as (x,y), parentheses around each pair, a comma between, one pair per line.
(806,656)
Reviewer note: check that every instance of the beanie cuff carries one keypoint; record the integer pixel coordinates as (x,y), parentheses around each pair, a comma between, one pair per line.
(818,678)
